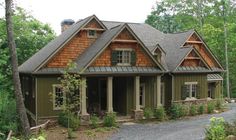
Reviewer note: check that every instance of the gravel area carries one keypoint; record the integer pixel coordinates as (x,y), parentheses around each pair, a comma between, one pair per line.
(187,129)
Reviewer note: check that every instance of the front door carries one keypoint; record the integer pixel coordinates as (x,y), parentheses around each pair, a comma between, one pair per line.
(103,93)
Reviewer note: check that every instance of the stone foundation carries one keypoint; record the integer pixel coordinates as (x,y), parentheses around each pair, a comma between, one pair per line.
(137,114)
(85,119)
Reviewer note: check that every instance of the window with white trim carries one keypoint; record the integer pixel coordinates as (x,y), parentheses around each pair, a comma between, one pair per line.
(191,89)
(58,97)
(92,34)
(124,57)
(142,95)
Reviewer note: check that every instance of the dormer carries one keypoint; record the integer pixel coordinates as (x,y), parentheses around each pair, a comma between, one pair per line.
(158,53)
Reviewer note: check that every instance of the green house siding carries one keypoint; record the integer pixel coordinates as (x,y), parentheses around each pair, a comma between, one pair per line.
(218,89)
(180,79)
(44,100)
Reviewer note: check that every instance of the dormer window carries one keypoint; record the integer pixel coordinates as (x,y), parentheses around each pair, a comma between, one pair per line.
(92,34)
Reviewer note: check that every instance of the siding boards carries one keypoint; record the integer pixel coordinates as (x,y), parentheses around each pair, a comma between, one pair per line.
(44,100)
(180,79)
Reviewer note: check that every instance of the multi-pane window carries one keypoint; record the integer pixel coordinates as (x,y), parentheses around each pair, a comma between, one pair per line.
(58,97)
(124,57)
(191,89)
(92,33)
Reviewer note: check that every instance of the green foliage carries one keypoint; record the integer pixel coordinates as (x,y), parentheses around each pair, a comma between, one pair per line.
(8,113)
(70,83)
(193,110)
(230,128)
(219,104)
(70,134)
(94,121)
(110,120)
(69,120)
(216,130)
(30,36)
(160,113)
(178,110)
(148,113)
(210,107)
(207,18)
(201,109)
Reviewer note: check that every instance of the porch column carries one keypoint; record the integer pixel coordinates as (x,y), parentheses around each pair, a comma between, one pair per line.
(137,113)
(84,115)
(158,91)
(137,92)
(109,95)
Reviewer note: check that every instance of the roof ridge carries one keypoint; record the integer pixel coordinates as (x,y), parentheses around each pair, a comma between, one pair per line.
(122,22)
(180,32)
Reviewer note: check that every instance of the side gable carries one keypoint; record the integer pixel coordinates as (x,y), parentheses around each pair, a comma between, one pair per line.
(197,42)
(77,45)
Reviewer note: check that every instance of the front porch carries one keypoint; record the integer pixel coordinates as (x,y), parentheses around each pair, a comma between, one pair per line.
(125,95)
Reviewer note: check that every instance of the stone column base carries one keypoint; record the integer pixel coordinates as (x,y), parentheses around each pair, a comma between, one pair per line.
(84,119)
(137,114)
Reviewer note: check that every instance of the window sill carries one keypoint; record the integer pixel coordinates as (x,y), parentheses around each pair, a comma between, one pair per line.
(123,64)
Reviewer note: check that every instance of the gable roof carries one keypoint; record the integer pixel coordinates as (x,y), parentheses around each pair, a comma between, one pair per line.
(146,35)
(178,68)
(39,58)
(101,43)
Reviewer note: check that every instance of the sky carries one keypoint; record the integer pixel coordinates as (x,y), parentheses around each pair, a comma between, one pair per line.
(54,11)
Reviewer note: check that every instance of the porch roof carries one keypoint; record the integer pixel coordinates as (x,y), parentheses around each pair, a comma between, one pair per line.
(122,70)
(214,77)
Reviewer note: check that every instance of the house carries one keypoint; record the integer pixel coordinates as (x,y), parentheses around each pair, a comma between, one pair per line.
(127,67)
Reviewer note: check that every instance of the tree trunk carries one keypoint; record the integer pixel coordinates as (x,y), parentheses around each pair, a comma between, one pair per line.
(16,79)
(226,48)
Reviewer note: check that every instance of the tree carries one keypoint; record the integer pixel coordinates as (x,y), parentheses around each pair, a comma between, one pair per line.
(16,79)
(208,18)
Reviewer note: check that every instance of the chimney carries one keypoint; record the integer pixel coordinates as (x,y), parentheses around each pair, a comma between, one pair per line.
(66,23)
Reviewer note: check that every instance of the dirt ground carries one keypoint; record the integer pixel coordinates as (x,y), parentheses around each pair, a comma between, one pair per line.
(60,133)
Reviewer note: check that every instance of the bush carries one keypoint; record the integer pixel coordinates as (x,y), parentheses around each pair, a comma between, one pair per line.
(74,121)
(160,113)
(110,120)
(94,121)
(8,114)
(210,107)
(216,130)
(148,113)
(179,110)
(230,129)
(219,104)
(201,109)
(193,110)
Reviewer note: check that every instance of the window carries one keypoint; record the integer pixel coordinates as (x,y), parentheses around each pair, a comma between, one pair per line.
(92,33)
(142,95)
(190,90)
(58,97)
(123,57)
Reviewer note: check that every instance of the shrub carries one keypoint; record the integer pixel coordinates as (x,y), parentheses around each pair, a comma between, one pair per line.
(230,129)
(193,110)
(8,115)
(216,130)
(201,109)
(210,107)
(184,110)
(219,104)
(74,121)
(148,113)
(176,111)
(110,120)
(160,113)
(94,121)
